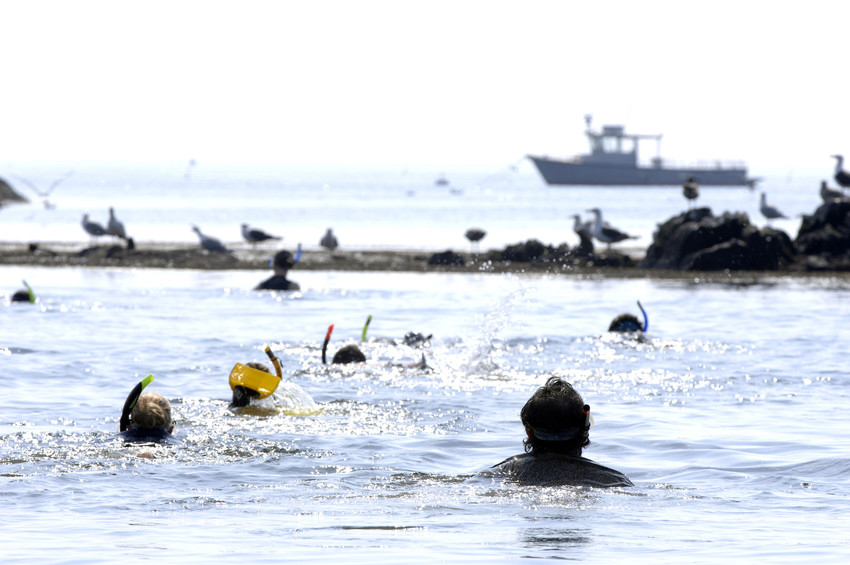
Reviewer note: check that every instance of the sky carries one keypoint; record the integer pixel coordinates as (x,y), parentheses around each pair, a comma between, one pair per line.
(444,84)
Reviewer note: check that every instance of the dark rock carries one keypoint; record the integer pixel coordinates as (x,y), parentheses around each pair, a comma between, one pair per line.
(446,258)
(827,231)
(697,240)
(531,250)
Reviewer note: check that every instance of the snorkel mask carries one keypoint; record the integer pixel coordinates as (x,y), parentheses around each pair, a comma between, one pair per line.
(130,403)
(259,381)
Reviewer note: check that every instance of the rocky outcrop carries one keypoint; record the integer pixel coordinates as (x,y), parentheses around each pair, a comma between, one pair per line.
(697,240)
(824,237)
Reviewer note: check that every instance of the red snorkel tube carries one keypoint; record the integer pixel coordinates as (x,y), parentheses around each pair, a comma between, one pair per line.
(325,345)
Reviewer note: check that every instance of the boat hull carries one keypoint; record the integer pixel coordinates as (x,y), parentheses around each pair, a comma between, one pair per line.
(556,172)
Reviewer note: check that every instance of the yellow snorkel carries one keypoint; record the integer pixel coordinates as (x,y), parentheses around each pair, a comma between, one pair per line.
(30,292)
(134,395)
(259,381)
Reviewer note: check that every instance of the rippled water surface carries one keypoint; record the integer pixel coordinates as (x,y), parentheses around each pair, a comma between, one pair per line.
(730,419)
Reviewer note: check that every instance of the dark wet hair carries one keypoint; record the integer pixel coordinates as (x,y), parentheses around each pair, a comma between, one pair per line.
(349,354)
(21,296)
(555,419)
(625,323)
(284,260)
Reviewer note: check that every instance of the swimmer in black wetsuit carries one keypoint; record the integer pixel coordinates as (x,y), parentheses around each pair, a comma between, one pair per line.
(282,262)
(146,417)
(557,423)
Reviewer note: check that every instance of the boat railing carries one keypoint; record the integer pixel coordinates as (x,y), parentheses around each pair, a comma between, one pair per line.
(716,164)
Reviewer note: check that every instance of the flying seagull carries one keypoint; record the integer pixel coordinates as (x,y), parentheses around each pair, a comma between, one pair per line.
(44,194)
(605,233)
(255,235)
(210,243)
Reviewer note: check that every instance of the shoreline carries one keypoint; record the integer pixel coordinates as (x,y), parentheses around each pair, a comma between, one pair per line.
(189,256)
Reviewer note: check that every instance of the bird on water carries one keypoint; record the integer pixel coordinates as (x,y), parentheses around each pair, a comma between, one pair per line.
(842,177)
(605,233)
(252,235)
(768,211)
(210,243)
(690,190)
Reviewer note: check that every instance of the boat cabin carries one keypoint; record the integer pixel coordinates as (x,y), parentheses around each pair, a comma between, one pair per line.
(614,147)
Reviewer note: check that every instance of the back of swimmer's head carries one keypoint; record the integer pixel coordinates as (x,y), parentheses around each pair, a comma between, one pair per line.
(555,416)
(152,411)
(283,260)
(349,354)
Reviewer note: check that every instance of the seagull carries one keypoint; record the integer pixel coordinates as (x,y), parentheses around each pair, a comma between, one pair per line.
(584,231)
(93,228)
(829,194)
(210,243)
(842,177)
(44,194)
(604,232)
(768,211)
(690,190)
(255,236)
(329,241)
(115,227)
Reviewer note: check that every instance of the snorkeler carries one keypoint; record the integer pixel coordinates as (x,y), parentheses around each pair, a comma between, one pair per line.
(282,262)
(352,354)
(629,322)
(146,416)
(254,381)
(557,424)
(24,295)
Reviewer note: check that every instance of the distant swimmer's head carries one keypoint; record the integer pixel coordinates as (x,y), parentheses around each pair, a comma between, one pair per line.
(152,412)
(556,419)
(349,354)
(625,323)
(21,296)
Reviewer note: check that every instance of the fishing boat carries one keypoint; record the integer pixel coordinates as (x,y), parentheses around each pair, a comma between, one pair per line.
(613,161)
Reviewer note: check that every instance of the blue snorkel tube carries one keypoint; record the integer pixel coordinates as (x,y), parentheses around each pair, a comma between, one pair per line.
(645,317)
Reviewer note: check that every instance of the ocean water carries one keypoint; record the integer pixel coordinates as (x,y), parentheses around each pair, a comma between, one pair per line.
(730,418)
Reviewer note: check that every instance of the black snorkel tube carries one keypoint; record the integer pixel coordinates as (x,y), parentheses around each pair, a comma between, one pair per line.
(645,317)
(134,395)
(325,345)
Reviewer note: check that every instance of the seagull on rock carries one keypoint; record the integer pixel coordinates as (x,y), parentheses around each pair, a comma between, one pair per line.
(93,228)
(830,194)
(329,240)
(211,244)
(256,236)
(605,233)
(768,211)
(690,190)
(842,177)
(114,227)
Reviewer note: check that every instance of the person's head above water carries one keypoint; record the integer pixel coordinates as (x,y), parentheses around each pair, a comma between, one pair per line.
(556,419)
(349,354)
(152,412)
(242,395)
(282,262)
(629,322)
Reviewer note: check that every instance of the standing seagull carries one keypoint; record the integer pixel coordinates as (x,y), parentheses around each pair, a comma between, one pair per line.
(255,236)
(93,228)
(605,233)
(210,243)
(584,231)
(43,194)
(768,211)
(329,241)
(115,227)
(690,190)
(842,177)
(829,194)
